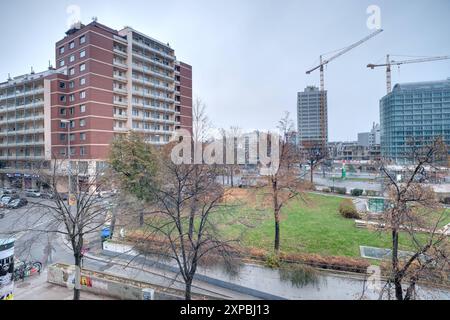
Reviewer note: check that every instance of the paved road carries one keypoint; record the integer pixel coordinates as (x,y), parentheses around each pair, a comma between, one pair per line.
(31,241)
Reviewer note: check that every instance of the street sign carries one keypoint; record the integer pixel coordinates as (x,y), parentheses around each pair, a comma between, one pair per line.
(72,200)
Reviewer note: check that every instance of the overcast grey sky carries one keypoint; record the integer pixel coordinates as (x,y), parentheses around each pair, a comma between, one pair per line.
(249,57)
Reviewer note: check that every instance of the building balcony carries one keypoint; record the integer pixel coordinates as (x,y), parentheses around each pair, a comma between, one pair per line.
(120,102)
(162,132)
(22,94)
(120,64)
(163,54)
(155,62)
(22,119)
(13,144)
(120,52)
(120,39)
(22,131)
(120,90)
(22,157)
(120,129)
(151,119)
(152,96)
(121,116)
(152,73)
(150,107)
(153,85)
(120,78)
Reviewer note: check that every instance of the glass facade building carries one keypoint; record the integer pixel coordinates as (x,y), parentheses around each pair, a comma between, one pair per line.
(414,112)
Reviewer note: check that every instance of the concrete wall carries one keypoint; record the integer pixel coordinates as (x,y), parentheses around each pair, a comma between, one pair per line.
(107,284)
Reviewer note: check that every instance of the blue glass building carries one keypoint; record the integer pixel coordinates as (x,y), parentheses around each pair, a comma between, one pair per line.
(417,112)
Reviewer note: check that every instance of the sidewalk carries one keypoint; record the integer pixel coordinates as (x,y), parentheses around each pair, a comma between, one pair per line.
(36,287)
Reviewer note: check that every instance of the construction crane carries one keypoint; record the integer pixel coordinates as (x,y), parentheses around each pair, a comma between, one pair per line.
(390,63)
(323,62)
(340,53)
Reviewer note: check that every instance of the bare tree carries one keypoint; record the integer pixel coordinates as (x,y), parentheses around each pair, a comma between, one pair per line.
(285,183)
(73,210)
(201,124)
(180,202)
(415,213)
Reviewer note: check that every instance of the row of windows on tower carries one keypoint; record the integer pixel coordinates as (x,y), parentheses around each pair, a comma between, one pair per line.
(62,62)
(81,40)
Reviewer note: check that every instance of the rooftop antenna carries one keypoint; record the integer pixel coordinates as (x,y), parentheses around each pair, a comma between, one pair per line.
(50,67)
(9,77)
(94,19)
(32,71)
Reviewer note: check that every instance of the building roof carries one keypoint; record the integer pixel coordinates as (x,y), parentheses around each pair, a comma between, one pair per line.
(439,84)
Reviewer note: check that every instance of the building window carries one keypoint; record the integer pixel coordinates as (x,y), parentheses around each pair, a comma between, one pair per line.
(62,111)
(72,110)
(72,151)
(62,125)
(61,50)
(71,97)
(71,84)
(62,84)
(72,45)
(83,108)
(62,136)
(72,124)
(82,136)
(72,58)
(82,81)
(82,39)
(62,151)
(62,98)
(72,137)
(82,67)
(82,53)
(82,94)
(61,62)
(82,122)
(82,151)
(71,71)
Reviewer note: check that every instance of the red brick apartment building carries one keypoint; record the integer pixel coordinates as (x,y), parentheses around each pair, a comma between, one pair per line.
(105,83)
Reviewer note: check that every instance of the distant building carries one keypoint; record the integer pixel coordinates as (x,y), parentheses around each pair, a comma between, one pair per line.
(414,111)
(312,122)
(108,82)
(363,139)
(370,138)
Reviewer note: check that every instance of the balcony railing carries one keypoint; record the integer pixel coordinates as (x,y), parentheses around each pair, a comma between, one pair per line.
(120,64)
(22,119)
(143,45)
(158,63)
(21,131)
(152,73)
(149,95)
(151,84)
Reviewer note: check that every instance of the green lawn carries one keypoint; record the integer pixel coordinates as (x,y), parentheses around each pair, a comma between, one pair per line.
(313,225)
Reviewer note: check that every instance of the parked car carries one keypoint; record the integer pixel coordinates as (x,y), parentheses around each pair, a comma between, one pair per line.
(46,195)
(107,193)
(17,203)
(6,199)
(9,190)
(33,193)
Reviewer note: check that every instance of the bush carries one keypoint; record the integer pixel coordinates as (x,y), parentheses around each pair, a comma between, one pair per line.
(371,193)
(299,275)
(272,261)
(357,192)
(340,190)
(348,209)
